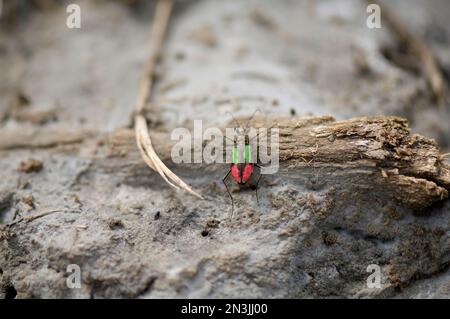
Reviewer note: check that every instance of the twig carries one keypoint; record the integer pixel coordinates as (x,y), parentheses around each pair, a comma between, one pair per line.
(158,31)
(418,48)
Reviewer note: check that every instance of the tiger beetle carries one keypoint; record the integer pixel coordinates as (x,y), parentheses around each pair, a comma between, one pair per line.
(242,171)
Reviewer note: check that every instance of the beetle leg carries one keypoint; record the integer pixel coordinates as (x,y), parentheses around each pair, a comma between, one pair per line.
(228,191)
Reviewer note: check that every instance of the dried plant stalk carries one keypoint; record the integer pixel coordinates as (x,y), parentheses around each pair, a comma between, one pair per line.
(143,140)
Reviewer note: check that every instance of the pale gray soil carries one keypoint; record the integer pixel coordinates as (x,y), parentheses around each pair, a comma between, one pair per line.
(134,236)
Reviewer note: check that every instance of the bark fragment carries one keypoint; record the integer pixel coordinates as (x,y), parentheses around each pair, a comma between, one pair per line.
(408,166)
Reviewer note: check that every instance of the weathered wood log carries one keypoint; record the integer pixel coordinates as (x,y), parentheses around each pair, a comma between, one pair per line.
(33,138)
